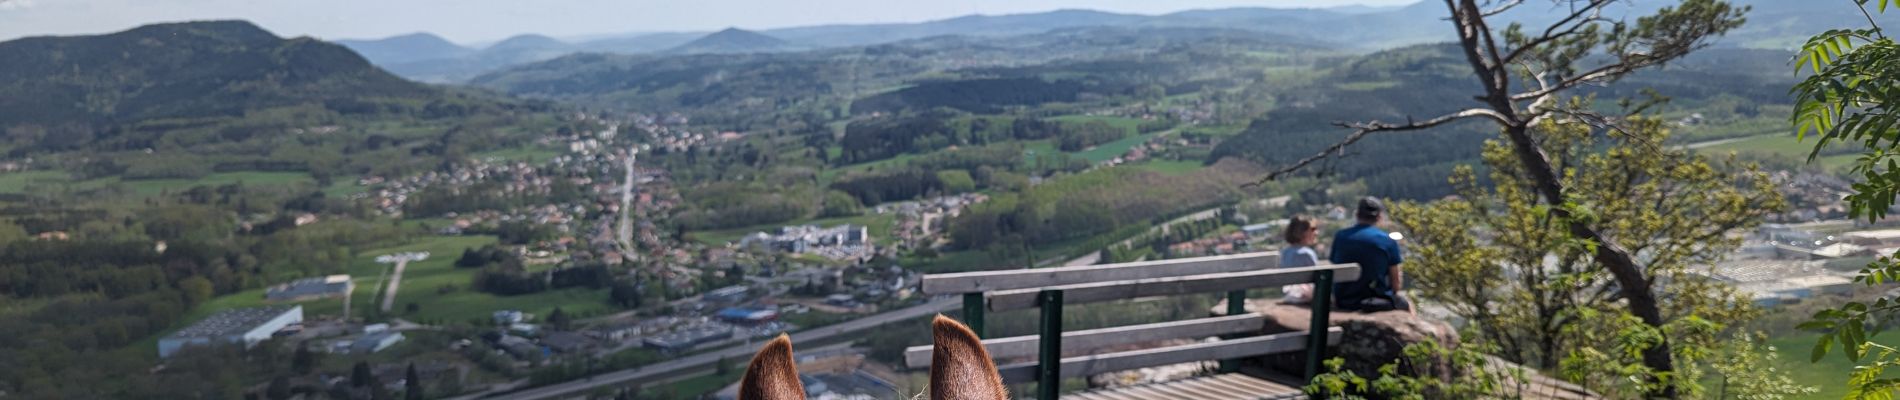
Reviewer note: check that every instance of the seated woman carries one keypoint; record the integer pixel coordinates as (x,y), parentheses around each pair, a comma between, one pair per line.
(1301,234)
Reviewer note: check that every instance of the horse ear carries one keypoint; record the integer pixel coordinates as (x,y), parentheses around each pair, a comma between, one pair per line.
(772,375)
(960,367)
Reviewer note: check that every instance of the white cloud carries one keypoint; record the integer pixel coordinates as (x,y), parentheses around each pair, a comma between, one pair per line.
(8,5)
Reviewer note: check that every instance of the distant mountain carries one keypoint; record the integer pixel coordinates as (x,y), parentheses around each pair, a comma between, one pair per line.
(183,70)
(1772,24)
(972,25)
(641,43)
(406,48)
(515,50)
(733,40)
(528,43)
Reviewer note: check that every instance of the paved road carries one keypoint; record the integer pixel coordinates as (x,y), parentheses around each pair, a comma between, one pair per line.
(1718,142)
(572,388)
(395,281)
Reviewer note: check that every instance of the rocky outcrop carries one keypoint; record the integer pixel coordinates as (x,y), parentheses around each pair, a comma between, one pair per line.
(1367,340)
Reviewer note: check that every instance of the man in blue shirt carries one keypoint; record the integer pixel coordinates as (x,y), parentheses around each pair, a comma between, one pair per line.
(1378,256)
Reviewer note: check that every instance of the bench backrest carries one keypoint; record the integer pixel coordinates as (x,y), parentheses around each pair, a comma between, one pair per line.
(1049,289)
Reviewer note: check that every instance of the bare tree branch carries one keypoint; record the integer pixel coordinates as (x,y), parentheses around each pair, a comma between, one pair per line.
(1601,73)
(1575,22)
(1502,7)
(1362,129)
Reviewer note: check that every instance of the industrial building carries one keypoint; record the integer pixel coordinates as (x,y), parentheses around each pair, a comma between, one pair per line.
(311,288)
(684,340)
(1776,282)
(246,326)
(748,315)
(729,294)
(375,342)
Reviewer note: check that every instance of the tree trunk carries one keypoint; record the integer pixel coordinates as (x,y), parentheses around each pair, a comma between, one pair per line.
(1629,276)
(1474,37)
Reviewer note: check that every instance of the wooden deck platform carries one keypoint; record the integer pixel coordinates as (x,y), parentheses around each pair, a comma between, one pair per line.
(1216,387)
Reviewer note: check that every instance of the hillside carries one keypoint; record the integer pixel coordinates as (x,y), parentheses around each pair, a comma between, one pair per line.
(406,48)
(182,70)
(732,40)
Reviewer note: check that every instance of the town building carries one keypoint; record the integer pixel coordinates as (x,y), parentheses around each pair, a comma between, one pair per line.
(686,339)
(1822,252)
(566,342)
(729,294)
(246,326)
(748,315)
(332,286)
(1775,282)
(1874,239)
(840,242)
(507,317)
(375,342)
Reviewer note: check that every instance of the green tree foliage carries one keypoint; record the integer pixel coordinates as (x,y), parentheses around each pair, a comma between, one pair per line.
(412,384)
(1579,49)
(304,361)
(728,204)
(1497,256)
(956,181)
(1428,370)
(1850,98)
(905,184)
(841,204)
(626,294)
(279,389)
(559,319)
(1077,137)
(1093,203)
(360,374)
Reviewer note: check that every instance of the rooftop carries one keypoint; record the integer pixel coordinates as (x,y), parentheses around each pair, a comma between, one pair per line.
(234,321)
(1747,271)
(1880,234)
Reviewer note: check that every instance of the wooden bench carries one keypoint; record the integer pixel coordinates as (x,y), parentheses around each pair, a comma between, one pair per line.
(1049,289)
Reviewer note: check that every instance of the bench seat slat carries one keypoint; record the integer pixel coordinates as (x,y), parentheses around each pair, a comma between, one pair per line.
(1127,360)
(1019,299)
(1025,346)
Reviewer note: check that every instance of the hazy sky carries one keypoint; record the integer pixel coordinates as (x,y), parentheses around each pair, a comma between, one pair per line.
(468,21)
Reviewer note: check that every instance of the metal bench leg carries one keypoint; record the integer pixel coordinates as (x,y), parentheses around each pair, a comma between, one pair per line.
(1049,355)
(1322,316)
(973,313)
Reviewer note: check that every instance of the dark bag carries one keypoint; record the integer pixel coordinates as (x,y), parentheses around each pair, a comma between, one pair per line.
(1382,302)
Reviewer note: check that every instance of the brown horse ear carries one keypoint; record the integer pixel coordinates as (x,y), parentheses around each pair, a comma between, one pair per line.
(772,375)
(960,367)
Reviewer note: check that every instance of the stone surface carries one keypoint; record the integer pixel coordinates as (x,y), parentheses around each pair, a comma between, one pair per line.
(1368,340)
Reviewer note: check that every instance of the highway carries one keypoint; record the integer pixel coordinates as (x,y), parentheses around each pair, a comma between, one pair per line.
(739,354)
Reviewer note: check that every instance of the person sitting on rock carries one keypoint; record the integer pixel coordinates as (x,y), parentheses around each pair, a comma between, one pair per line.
(1301,234)
(1378,256)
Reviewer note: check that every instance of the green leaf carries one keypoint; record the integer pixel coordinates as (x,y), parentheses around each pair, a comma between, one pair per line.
(1820,348)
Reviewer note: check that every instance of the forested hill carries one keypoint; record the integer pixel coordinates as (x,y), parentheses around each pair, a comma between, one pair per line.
(732,40)
(183,70)
(1415,83)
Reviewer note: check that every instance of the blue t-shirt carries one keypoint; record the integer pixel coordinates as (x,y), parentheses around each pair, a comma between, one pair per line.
(1375,252)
